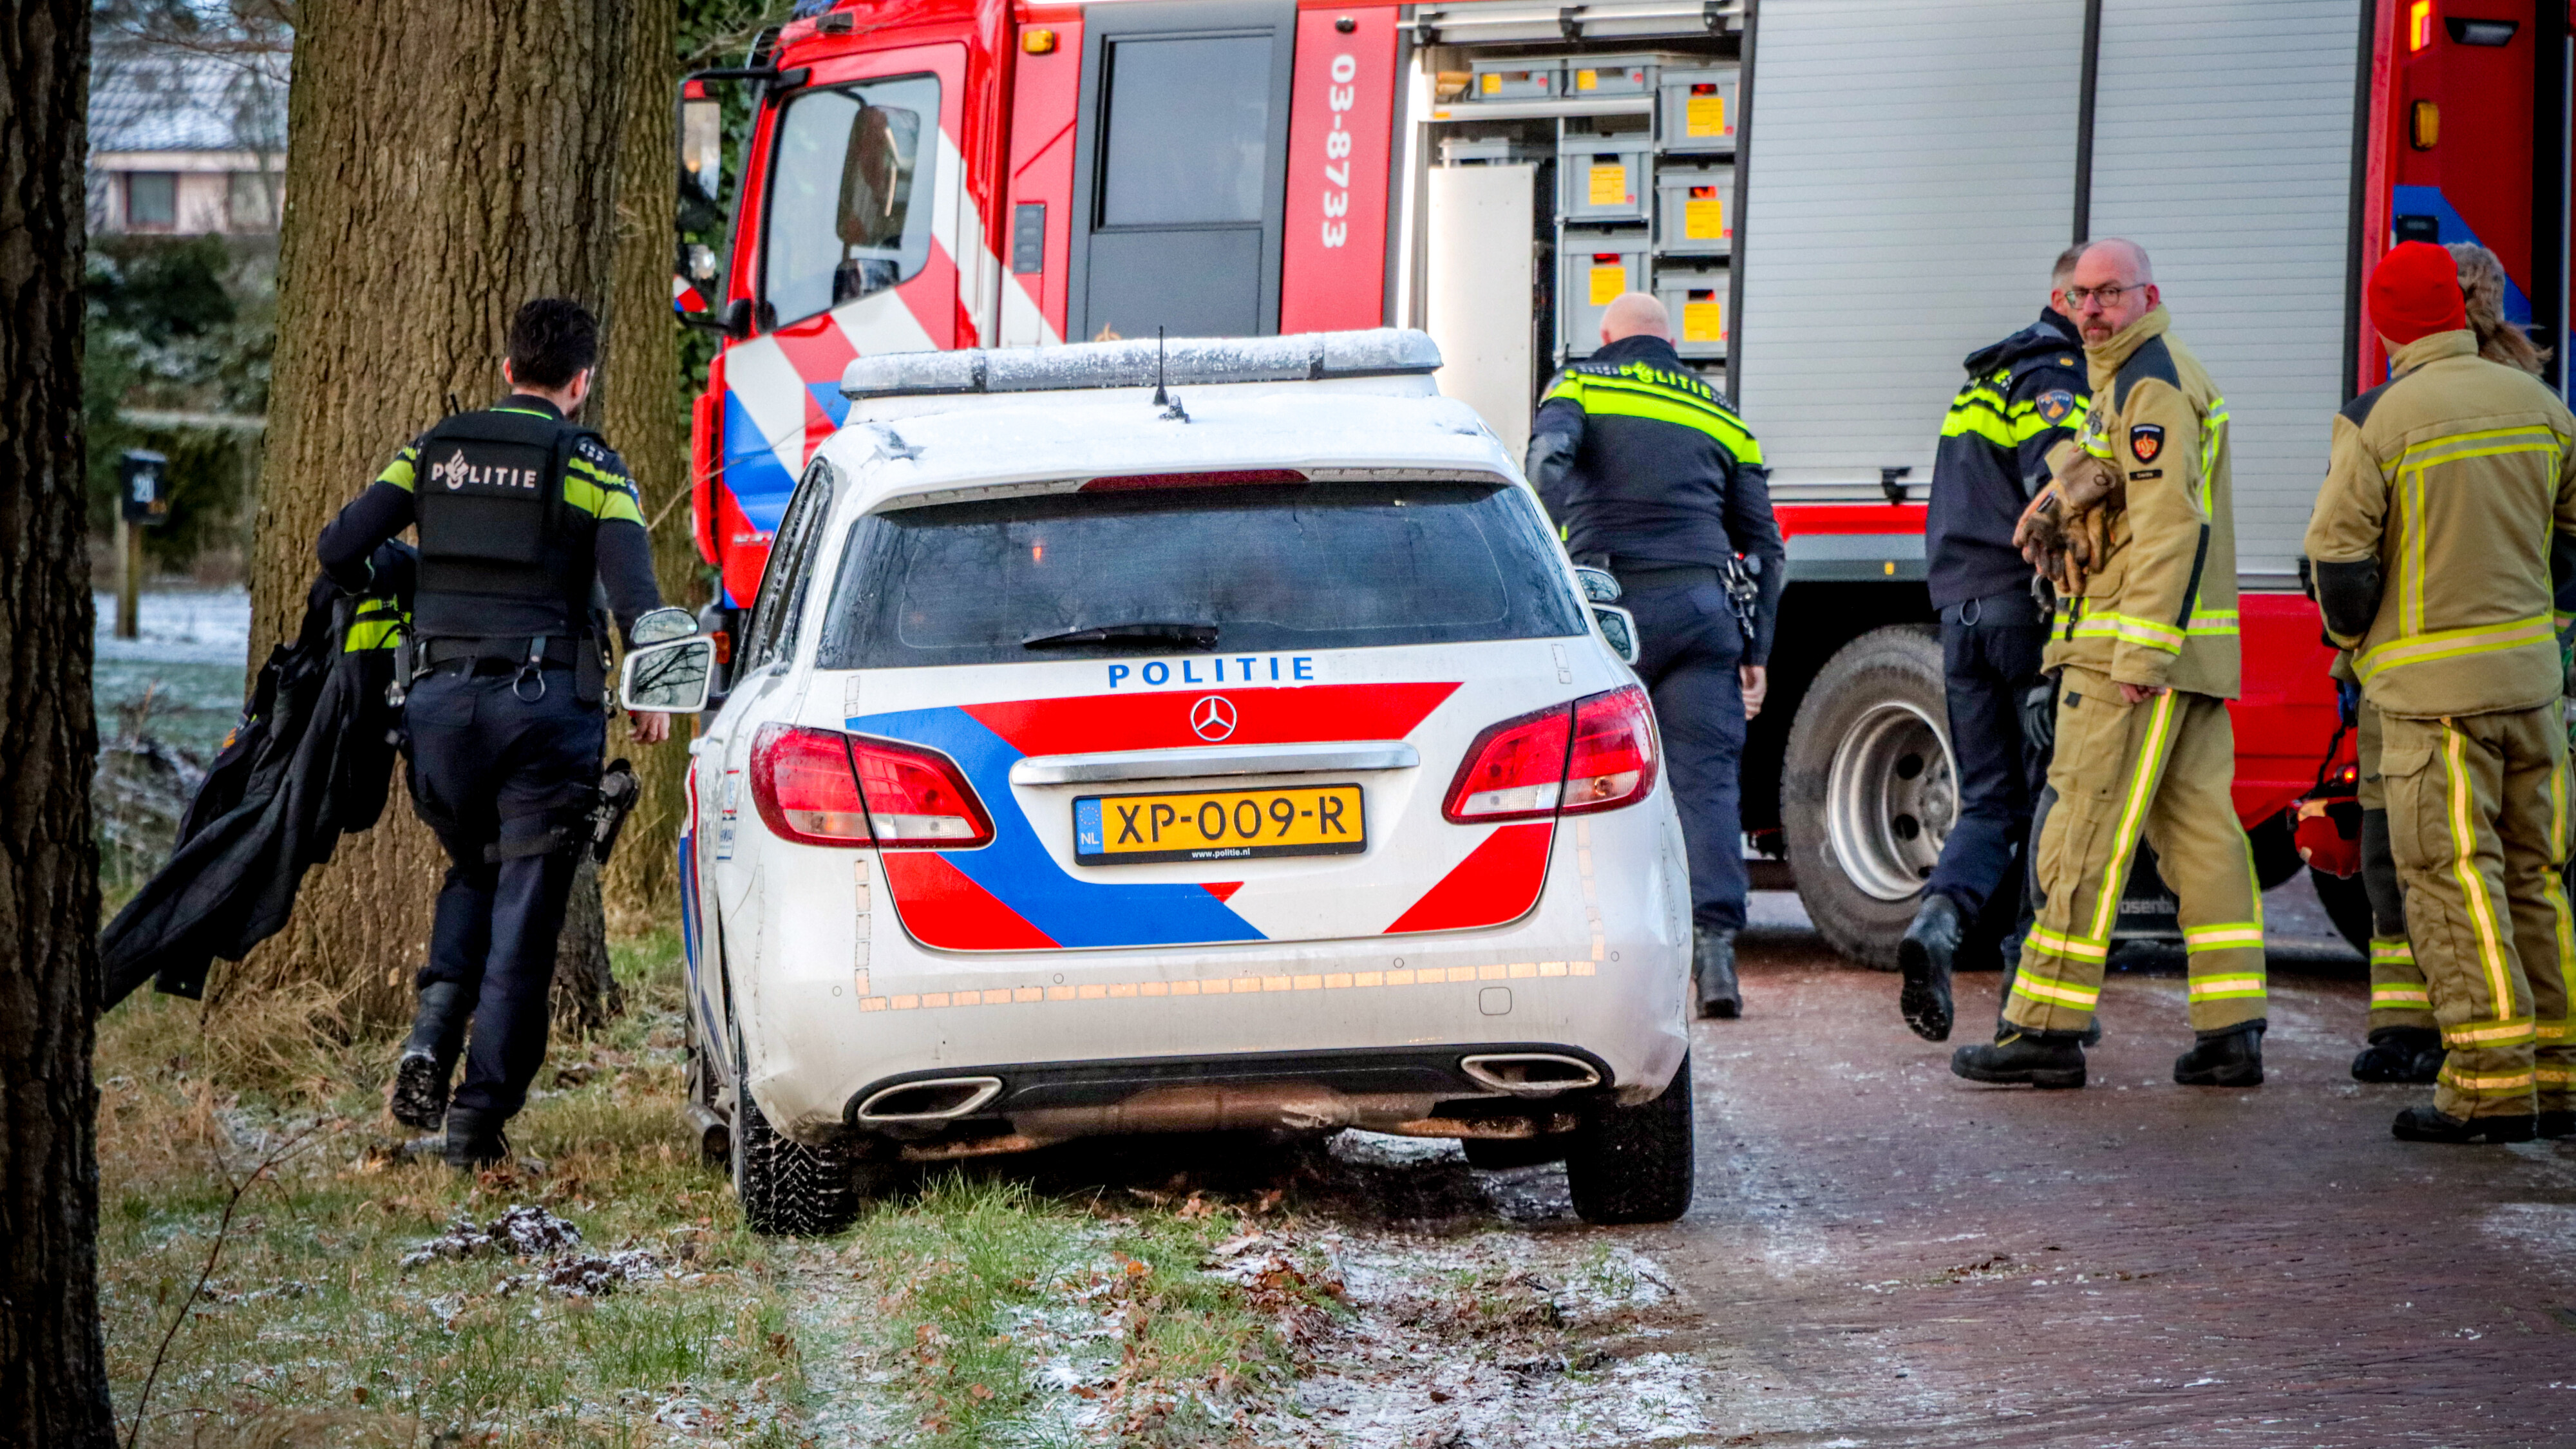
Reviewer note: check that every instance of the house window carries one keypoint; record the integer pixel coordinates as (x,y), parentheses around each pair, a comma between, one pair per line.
(151,200)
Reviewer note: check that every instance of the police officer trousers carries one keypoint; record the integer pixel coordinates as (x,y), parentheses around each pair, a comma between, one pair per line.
(2398,995)
(497,763)
(1688,647)
(2160,769)
(2477,818)
(1990,658)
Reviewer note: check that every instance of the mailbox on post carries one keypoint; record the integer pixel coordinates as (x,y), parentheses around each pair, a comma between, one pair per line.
(145,491)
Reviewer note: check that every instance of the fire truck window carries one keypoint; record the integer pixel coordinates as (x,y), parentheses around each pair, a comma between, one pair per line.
(844,168)
(1189,121)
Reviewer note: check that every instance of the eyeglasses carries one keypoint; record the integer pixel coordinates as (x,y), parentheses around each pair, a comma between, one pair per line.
(2109,297)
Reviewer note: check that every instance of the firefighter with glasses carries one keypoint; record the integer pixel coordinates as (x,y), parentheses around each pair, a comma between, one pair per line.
(2138,530)
(1649,473)
(2447,518)
(522,514)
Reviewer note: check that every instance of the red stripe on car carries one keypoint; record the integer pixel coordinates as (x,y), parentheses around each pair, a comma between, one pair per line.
(1497,882)
(1161,720)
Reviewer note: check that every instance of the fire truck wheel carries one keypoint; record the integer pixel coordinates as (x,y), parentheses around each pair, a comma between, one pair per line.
(1868,789)
(2348,903)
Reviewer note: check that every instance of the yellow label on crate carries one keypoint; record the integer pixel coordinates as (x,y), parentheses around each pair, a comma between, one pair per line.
(1492,85)
(1703,322)
(1609,185)
(1585,80)
(1608,281)
(1704,116)
(1704,218)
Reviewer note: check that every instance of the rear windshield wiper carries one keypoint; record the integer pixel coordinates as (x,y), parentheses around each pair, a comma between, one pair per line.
(1198,636)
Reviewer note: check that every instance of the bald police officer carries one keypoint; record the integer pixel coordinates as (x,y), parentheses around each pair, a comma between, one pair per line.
(1649,473)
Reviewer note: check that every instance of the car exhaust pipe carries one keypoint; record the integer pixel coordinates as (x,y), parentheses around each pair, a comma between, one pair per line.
(1530,1074)
(940,1099)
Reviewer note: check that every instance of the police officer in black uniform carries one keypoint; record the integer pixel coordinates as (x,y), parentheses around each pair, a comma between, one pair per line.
(1649,473)
(2024,396)
(519,511)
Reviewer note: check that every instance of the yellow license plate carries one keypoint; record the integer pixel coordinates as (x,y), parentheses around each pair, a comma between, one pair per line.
(1218,825)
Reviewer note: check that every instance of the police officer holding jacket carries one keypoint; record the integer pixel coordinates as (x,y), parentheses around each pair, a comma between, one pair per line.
(519,511)
(2023,397)
(1649,473)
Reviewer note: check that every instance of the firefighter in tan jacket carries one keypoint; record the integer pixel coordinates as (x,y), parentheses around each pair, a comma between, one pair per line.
(2450,490)
(2146,658)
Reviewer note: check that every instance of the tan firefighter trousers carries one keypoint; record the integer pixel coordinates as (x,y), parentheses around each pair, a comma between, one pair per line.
(2161,769)
(2477,817)
(2398,996)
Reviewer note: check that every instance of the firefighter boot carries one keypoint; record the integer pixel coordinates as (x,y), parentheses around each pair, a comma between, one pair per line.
(1713,968)
(2229,1057)
(2038,1058)
(1924,956)
(2554,1125)
(2410,1054)
(2432,1124)
(429,1056)
(474,1140)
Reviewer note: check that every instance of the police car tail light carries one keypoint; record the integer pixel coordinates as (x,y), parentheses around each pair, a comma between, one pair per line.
(1614,756)
(802,781)
(1514,771)
(917,798)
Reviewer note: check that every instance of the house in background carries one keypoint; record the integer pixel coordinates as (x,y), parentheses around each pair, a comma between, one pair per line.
(186,141)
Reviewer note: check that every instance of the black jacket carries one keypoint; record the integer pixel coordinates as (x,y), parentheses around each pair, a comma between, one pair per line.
(310,760)
(2024,396)
(1644,465)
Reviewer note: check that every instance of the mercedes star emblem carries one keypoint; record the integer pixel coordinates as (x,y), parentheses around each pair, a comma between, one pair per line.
(1212,718)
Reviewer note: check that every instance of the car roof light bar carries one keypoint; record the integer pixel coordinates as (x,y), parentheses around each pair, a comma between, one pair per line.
(1184,361)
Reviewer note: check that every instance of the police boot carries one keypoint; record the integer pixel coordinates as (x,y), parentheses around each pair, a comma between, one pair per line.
(2410,1054)
(1924,956)
(429,1056)
(2432,1124)
(1713,969)
(2016,1058)
(474,1140)
(2229,1057)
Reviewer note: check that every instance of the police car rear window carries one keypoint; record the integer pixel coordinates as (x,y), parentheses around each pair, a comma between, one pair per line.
(1317,566)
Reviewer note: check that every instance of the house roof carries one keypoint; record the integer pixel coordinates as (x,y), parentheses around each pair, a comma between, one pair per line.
(162,98)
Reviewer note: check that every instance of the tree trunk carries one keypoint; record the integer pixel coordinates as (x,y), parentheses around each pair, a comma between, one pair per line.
(645,403)
(586,993)
(53,1359)
(446,162)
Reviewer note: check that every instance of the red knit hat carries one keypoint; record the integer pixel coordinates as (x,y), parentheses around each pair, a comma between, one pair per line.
(2415,292)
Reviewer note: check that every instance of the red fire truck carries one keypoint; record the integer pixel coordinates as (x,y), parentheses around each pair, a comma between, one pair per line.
(1840,200)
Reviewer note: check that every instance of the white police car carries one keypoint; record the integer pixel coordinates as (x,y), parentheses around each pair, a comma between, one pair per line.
(1101,761)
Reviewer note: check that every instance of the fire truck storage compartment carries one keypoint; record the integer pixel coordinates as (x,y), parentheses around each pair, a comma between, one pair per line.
(1593,268)
(1483,289)
(1602,175)
(1695,295)
(1694,205)
(1695,107)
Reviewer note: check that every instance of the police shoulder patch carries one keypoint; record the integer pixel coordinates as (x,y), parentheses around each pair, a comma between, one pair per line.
(2146,440)
(2056,405)
(590,448)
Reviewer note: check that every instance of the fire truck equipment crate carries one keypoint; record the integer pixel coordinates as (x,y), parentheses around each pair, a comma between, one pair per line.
(1694,207)
(1697,106)
(1602,176)
(1615,75)
(1593,268)
(1515,78)
(1697,301)
(1489,151)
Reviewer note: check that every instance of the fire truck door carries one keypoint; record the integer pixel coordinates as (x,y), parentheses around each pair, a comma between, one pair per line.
(1181,168)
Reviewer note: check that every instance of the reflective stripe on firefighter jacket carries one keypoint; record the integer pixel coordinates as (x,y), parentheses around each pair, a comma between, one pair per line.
(2451,479)
(2160,609)
(2023,397)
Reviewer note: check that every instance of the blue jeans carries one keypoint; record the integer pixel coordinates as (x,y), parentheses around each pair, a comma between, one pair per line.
(1688,649)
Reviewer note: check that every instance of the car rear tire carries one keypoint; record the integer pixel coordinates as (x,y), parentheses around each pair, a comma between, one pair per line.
(1868,789)
(1498,1154)
(1634,1164)
(787,1189)
(2347,903)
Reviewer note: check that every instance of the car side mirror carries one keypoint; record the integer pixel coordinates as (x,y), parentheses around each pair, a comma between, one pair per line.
(662,625)
(1600,586)
(668,678)
(1619,627)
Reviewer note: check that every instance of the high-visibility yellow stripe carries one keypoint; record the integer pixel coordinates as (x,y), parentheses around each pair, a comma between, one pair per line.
(2228,933)
(2553,888)
(2142,788)
(609,502)
(2068,946)
(2396,994)
(2563,1029)
(1637,397)
(2055,993)
(2147,632)
(403,470)
(2230,986)
(2553,1076)
(2422,648)
(2384,951)
(2464,865)
(2498,1084)
(2213,621)
(2412,530)
(2516,1032)
(2213,431)
(365,634)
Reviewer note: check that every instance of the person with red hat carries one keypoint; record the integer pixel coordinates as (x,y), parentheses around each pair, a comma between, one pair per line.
(2447,518)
